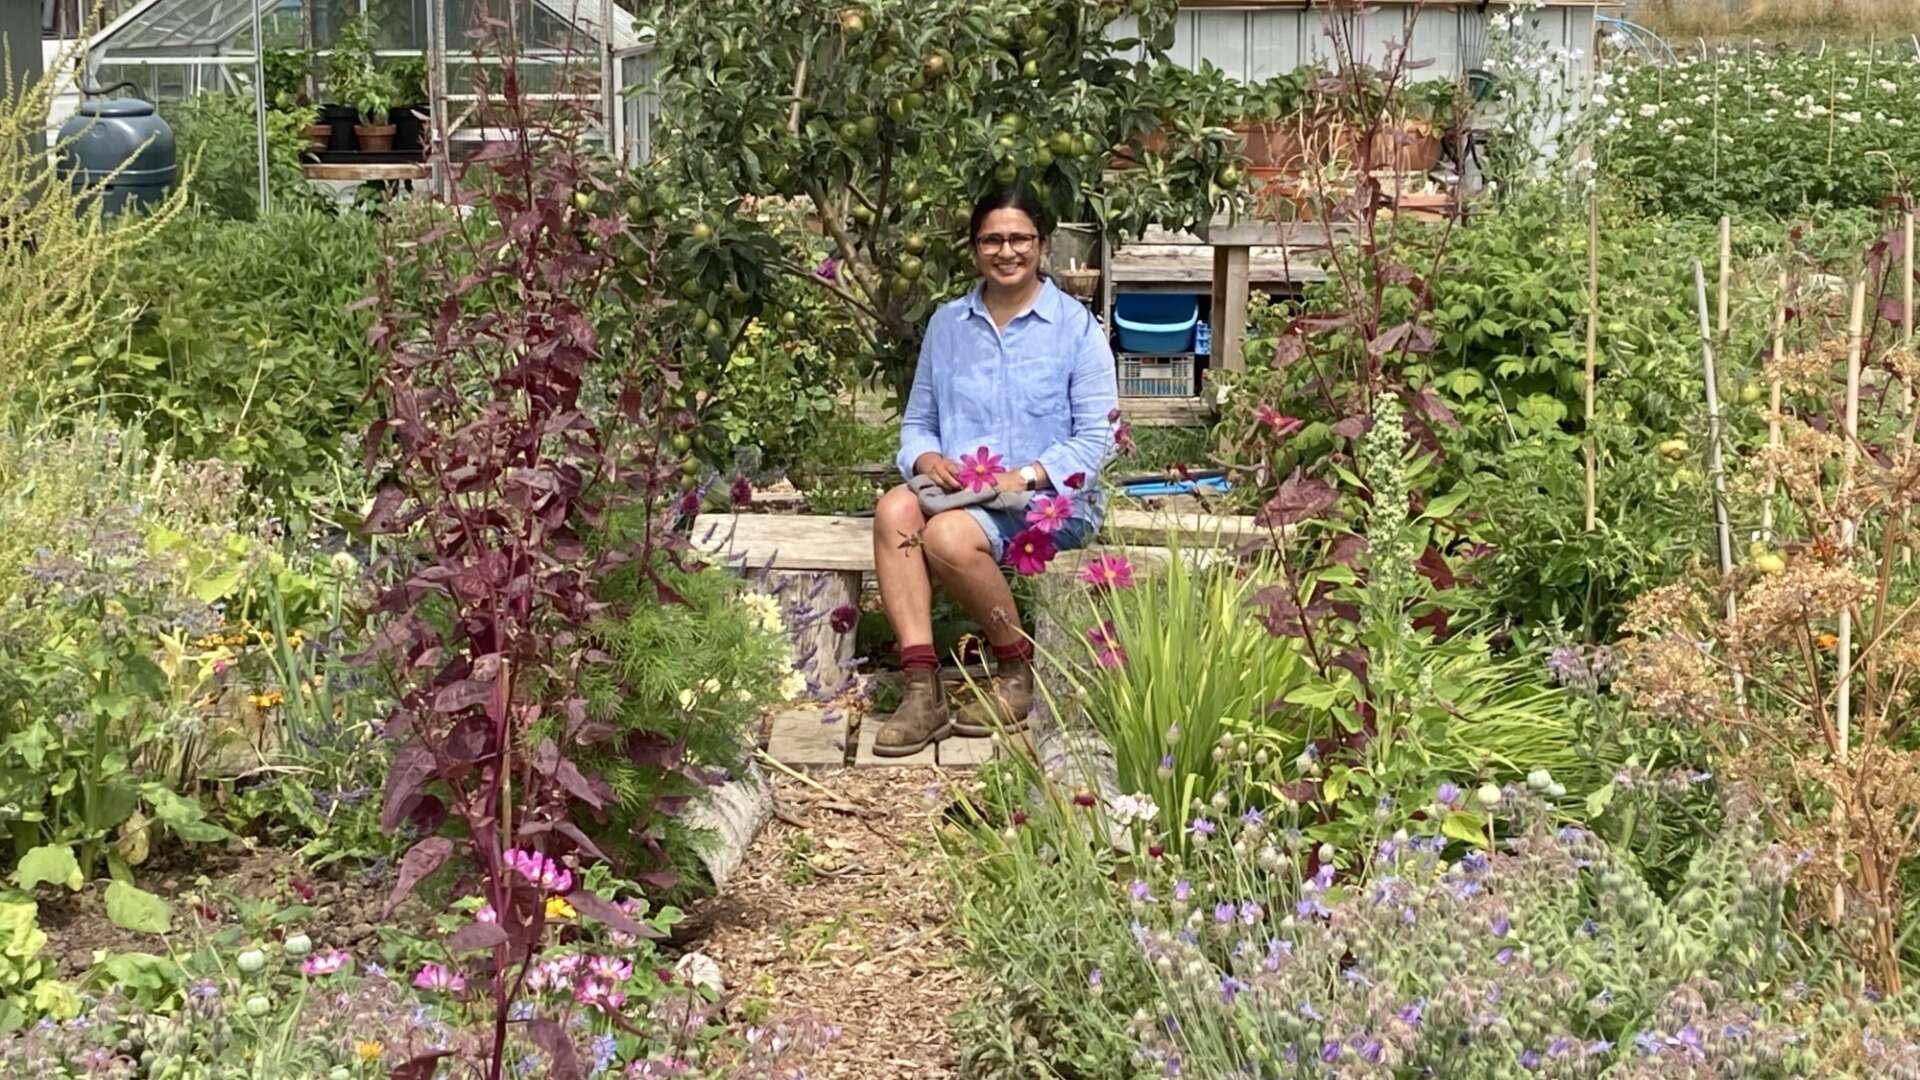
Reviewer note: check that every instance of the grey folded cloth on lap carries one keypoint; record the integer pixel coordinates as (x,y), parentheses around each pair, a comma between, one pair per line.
(934,500)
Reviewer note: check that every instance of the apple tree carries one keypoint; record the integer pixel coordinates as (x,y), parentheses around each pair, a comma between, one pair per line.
(882,120)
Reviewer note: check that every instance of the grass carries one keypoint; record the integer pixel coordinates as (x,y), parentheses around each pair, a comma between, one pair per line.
(1840,21)
(1161,448)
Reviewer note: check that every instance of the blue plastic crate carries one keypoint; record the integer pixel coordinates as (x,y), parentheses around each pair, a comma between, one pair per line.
(1203,340)
(1156,376)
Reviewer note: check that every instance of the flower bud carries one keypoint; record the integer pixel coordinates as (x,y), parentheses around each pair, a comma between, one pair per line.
(1489,795)
(298,945)
(258,1005)
(251,961)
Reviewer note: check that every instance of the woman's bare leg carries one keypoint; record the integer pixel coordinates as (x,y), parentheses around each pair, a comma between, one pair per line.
(900,565)
(957,550)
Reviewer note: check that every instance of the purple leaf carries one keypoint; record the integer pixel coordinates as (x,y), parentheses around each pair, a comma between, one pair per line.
(548,1035)
(608,914)
(1300,498)
(1354,426)
(476,936)
(420,860)
(420,1066)
(462,695)
(412,767)
(380,519)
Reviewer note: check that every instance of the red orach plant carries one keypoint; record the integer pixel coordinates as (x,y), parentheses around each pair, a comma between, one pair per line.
(497,450)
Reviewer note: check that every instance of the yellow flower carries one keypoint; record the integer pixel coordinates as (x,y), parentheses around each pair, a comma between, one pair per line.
(267,700)
(1826,642)
(368,1051)
(558,908)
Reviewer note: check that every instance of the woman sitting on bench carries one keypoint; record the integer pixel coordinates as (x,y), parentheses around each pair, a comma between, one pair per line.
(1015,373)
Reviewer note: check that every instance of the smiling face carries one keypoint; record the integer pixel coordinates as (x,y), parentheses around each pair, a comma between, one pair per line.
(1007,249)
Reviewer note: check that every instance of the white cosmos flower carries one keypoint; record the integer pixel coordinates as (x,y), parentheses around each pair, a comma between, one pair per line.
(1850,117)
(1650,109)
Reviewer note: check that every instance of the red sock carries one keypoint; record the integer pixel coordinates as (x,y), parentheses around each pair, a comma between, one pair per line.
(919,658)
(1019,650)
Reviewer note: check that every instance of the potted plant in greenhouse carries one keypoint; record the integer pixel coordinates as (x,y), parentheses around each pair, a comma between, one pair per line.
(413,103)
(373,97)
(348,63)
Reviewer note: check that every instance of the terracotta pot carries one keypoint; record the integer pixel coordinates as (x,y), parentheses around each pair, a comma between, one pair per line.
(318,135)
(1153,142)
(375,138)
(1280,145)
(1412,148)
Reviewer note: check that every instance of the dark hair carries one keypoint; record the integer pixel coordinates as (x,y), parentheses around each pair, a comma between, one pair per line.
(1011,197)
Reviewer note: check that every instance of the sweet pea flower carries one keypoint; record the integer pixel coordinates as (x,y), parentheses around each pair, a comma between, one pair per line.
(435,977)
(326,962)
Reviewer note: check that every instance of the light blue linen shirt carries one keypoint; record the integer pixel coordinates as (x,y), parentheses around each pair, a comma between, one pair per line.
(1040,390)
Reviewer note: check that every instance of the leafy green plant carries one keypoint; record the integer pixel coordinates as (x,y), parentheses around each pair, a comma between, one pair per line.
(286,78)
(216,134)
(25,991)
(233,339)
(1768,130)
(351,59)
(685,687)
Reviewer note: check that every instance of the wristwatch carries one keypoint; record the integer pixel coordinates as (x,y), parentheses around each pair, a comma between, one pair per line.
(1030,476)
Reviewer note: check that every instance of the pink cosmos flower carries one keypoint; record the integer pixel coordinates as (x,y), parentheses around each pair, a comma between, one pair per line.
(610,969)
(1106,641)
(1109,572)
(978,469)
(486,914)
(1050,514)
(1077,481)
(325,962)
(1030,551)
(435,977)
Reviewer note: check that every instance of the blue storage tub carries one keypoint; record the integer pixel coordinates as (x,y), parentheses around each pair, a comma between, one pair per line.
(1156,322)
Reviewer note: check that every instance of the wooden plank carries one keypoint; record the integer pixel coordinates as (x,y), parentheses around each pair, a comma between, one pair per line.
(367,172)
(1169,412)
(803,735)
(1192,265)
(816,543)
(869,728)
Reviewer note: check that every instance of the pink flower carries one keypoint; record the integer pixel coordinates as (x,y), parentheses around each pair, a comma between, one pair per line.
(829,269)
(741,493)
(551,975)
(1077,481)
(1109,572)
(326,962)
(1278,423)
(610,969)
(1050,514)
(435,977)
(539,870)
(1106,642)
(977,470)
(597,995)
(486,914)
(1030,552)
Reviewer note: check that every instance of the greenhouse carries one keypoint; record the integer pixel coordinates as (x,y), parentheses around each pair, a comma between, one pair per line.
(170,50)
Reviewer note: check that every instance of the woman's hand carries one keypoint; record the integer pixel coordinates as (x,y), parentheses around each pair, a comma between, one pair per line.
(1009,481)
(939,468)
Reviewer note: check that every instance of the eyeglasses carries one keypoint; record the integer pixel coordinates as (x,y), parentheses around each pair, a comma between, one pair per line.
(1021,243)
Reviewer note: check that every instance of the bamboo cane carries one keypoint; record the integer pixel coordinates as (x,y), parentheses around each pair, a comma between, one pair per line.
(1773,405)
(1715,468)
(1593,343)
(1906,382)
(1843,681)
(1727,270)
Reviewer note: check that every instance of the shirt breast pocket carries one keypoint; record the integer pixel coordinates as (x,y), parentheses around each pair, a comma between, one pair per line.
(1040,385)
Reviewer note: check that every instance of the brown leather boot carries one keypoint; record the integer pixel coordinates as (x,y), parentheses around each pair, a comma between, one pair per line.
(919,722)
(1008,700)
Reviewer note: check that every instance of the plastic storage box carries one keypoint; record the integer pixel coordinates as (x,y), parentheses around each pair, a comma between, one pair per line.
(1155,323)
(1171,377)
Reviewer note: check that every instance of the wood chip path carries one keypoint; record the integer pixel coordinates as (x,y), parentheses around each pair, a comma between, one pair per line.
(841,912)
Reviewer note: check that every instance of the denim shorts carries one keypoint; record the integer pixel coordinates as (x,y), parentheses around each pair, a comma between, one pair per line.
(1001,526)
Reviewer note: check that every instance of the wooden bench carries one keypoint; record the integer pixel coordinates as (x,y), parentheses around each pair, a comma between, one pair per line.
(822,562)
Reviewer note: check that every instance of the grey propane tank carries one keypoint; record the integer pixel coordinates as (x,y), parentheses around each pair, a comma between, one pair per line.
(122,148)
